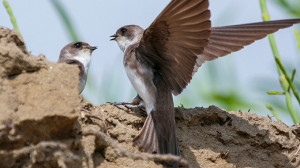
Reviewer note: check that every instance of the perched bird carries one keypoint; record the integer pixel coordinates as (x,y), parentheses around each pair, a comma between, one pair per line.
(161,61)
(78,53)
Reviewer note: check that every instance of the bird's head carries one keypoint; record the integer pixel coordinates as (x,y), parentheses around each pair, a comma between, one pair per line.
(77,52)
(128,35)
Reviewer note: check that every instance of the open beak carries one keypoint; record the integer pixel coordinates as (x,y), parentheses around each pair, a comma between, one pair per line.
(113,37)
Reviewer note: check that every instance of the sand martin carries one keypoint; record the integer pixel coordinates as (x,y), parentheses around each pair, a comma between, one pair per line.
(78,53)
(161,61)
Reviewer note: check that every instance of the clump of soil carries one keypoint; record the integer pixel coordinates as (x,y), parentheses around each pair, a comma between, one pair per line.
(39,100)
(43,123)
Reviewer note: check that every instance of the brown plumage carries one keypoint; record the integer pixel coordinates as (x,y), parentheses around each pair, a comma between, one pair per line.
(179,33)
(161,61)
(227,39)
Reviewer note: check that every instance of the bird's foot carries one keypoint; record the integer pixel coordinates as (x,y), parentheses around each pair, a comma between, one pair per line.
(141,108)
(120,103)
(125,104)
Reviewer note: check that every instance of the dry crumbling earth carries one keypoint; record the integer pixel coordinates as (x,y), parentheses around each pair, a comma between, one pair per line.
(45,123)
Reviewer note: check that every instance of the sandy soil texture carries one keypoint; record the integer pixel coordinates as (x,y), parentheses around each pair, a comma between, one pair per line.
(44,123)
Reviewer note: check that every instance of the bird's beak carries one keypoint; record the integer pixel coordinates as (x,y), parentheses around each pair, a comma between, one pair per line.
(92,48)
(114,37)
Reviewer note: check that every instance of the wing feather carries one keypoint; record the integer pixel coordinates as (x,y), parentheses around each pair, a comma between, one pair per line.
(227,39)
(174,40)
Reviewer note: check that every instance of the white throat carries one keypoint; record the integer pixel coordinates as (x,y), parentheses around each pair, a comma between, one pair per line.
(124,42)
(85,59)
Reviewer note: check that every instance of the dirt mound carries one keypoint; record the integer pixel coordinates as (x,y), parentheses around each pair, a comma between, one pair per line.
(208,137)
(39,100)
(45,123)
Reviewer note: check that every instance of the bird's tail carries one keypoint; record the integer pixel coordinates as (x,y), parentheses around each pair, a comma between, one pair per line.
(158,135)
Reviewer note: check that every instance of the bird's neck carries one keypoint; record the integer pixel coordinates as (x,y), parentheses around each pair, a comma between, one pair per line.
(84,59)
(124,43)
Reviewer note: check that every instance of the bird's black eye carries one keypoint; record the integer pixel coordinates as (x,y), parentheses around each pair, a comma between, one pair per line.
(123,30)
(78,45)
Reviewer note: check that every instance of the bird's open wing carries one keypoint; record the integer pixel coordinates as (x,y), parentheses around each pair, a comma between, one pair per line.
(228,39)
(173,41)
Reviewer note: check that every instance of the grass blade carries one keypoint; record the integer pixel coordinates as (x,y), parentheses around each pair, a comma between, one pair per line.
(285,83)
(11,15)
(66,19)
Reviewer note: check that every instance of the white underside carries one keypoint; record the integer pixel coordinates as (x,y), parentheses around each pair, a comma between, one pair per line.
(139,85)
(85,59)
